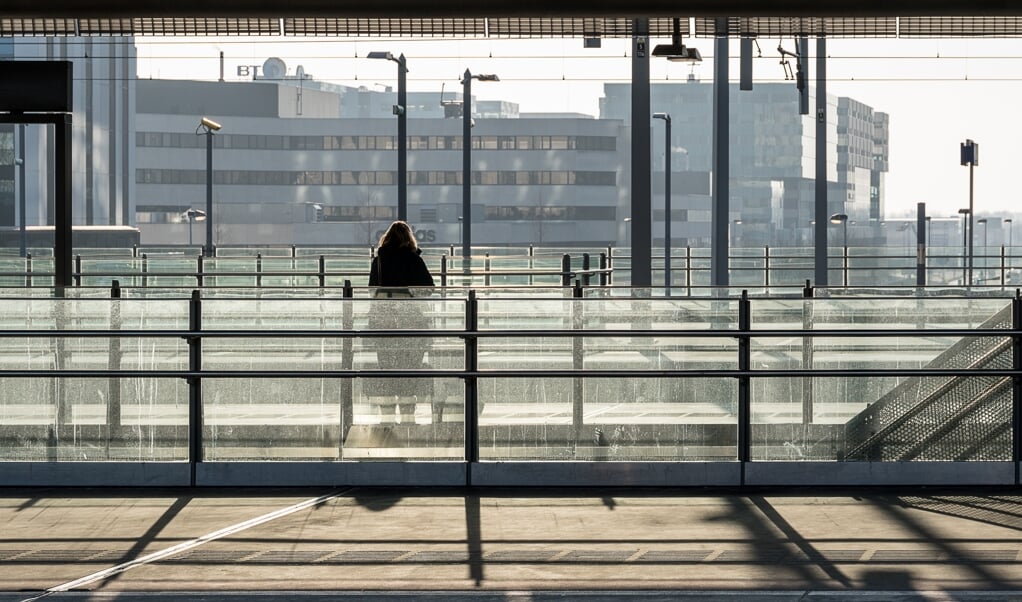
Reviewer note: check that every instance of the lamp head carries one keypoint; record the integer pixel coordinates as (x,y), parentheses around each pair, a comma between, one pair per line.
(964,212)
(837,218)
(678,53)
(981,220)
(209,124)
(487,77)
(665,116)
(380,54)
(197,215)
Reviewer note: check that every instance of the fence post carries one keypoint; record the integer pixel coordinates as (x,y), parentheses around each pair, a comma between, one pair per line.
(610,264)
(194,385)
(145,270)
(603,269)
(807,353)
(766,265)
(347,361)
(443,271)
(577,363)
(198,273)
(259,270)
(744,383)
(566,270)
(486,270)
(472,406)
(585,269)
(78,270)
(532,264)
(688,270)
(28,269)
(113,406)
(1016,383)
(1002,266)
(322,273)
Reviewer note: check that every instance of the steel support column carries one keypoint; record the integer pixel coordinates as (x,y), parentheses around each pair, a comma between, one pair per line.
(721,166)
(821,212)
(641,218)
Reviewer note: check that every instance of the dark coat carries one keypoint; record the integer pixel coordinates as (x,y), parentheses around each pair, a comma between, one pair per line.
(399,267)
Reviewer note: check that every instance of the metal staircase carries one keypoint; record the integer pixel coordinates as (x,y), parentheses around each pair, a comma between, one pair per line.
(951,418)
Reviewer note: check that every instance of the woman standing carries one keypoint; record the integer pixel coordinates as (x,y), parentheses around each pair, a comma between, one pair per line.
(399,272)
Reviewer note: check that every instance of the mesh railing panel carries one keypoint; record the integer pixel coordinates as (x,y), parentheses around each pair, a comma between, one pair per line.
(949,418)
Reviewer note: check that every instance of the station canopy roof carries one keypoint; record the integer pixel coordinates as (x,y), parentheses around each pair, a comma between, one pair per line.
(512,18)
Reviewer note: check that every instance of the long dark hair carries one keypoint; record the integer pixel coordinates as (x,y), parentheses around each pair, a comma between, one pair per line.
(399,235)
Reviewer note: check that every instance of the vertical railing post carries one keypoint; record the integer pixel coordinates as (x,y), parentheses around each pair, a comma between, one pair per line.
(78,270)
(322,272)
(766,266)
(198,270)
(603,269)
(443,271)
(532,264)
(194,385)
(610,264)
(688,270)
(744,383)
(807,353)
(566,270)
(577,364)
(1002,266)
(259,270)
(585,269)
(113,406)
(347,361)
(486,270)
(1016,383)
(471,385)
(28,269)
(145,270)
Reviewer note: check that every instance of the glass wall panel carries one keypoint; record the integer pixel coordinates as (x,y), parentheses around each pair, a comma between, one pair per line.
(881,418)
(93,419)
(603,419)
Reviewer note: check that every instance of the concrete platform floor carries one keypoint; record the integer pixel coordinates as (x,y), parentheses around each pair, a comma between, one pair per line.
(411,544)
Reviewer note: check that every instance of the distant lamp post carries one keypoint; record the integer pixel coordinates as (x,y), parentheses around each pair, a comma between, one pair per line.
(401,110)
(966,259)
(842,218)
(970,157)
(466,166)
(206,127)
(628,234)
(194,215)
(23,238)
(666,117)
(1007,220)
(983,253)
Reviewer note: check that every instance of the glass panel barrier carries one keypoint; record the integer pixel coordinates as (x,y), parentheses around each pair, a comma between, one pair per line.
(868,418)
(594,418)
(401,418)
(93,419)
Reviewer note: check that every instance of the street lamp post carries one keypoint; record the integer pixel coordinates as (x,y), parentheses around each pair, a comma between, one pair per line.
(466,164)
(667,200)
(842,218)
(970,157)
(208,126)
(20,162)
(197,215)
(966,264)
(982,272)
(401,110)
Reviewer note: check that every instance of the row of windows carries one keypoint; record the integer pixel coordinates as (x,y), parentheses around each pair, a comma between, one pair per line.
(266,142)
(534,212)
(380,178)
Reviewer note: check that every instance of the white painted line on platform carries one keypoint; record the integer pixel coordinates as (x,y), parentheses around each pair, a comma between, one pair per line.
(187,545)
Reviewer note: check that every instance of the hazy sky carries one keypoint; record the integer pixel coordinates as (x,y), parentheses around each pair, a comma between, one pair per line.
(937,92)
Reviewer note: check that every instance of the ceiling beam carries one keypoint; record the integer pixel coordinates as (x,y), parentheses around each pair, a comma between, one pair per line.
(503,8)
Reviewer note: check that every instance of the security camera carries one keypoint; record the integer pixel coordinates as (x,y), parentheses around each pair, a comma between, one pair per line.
(210,124)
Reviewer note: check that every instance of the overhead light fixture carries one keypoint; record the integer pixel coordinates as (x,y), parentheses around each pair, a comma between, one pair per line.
(676,51)
(209,124)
